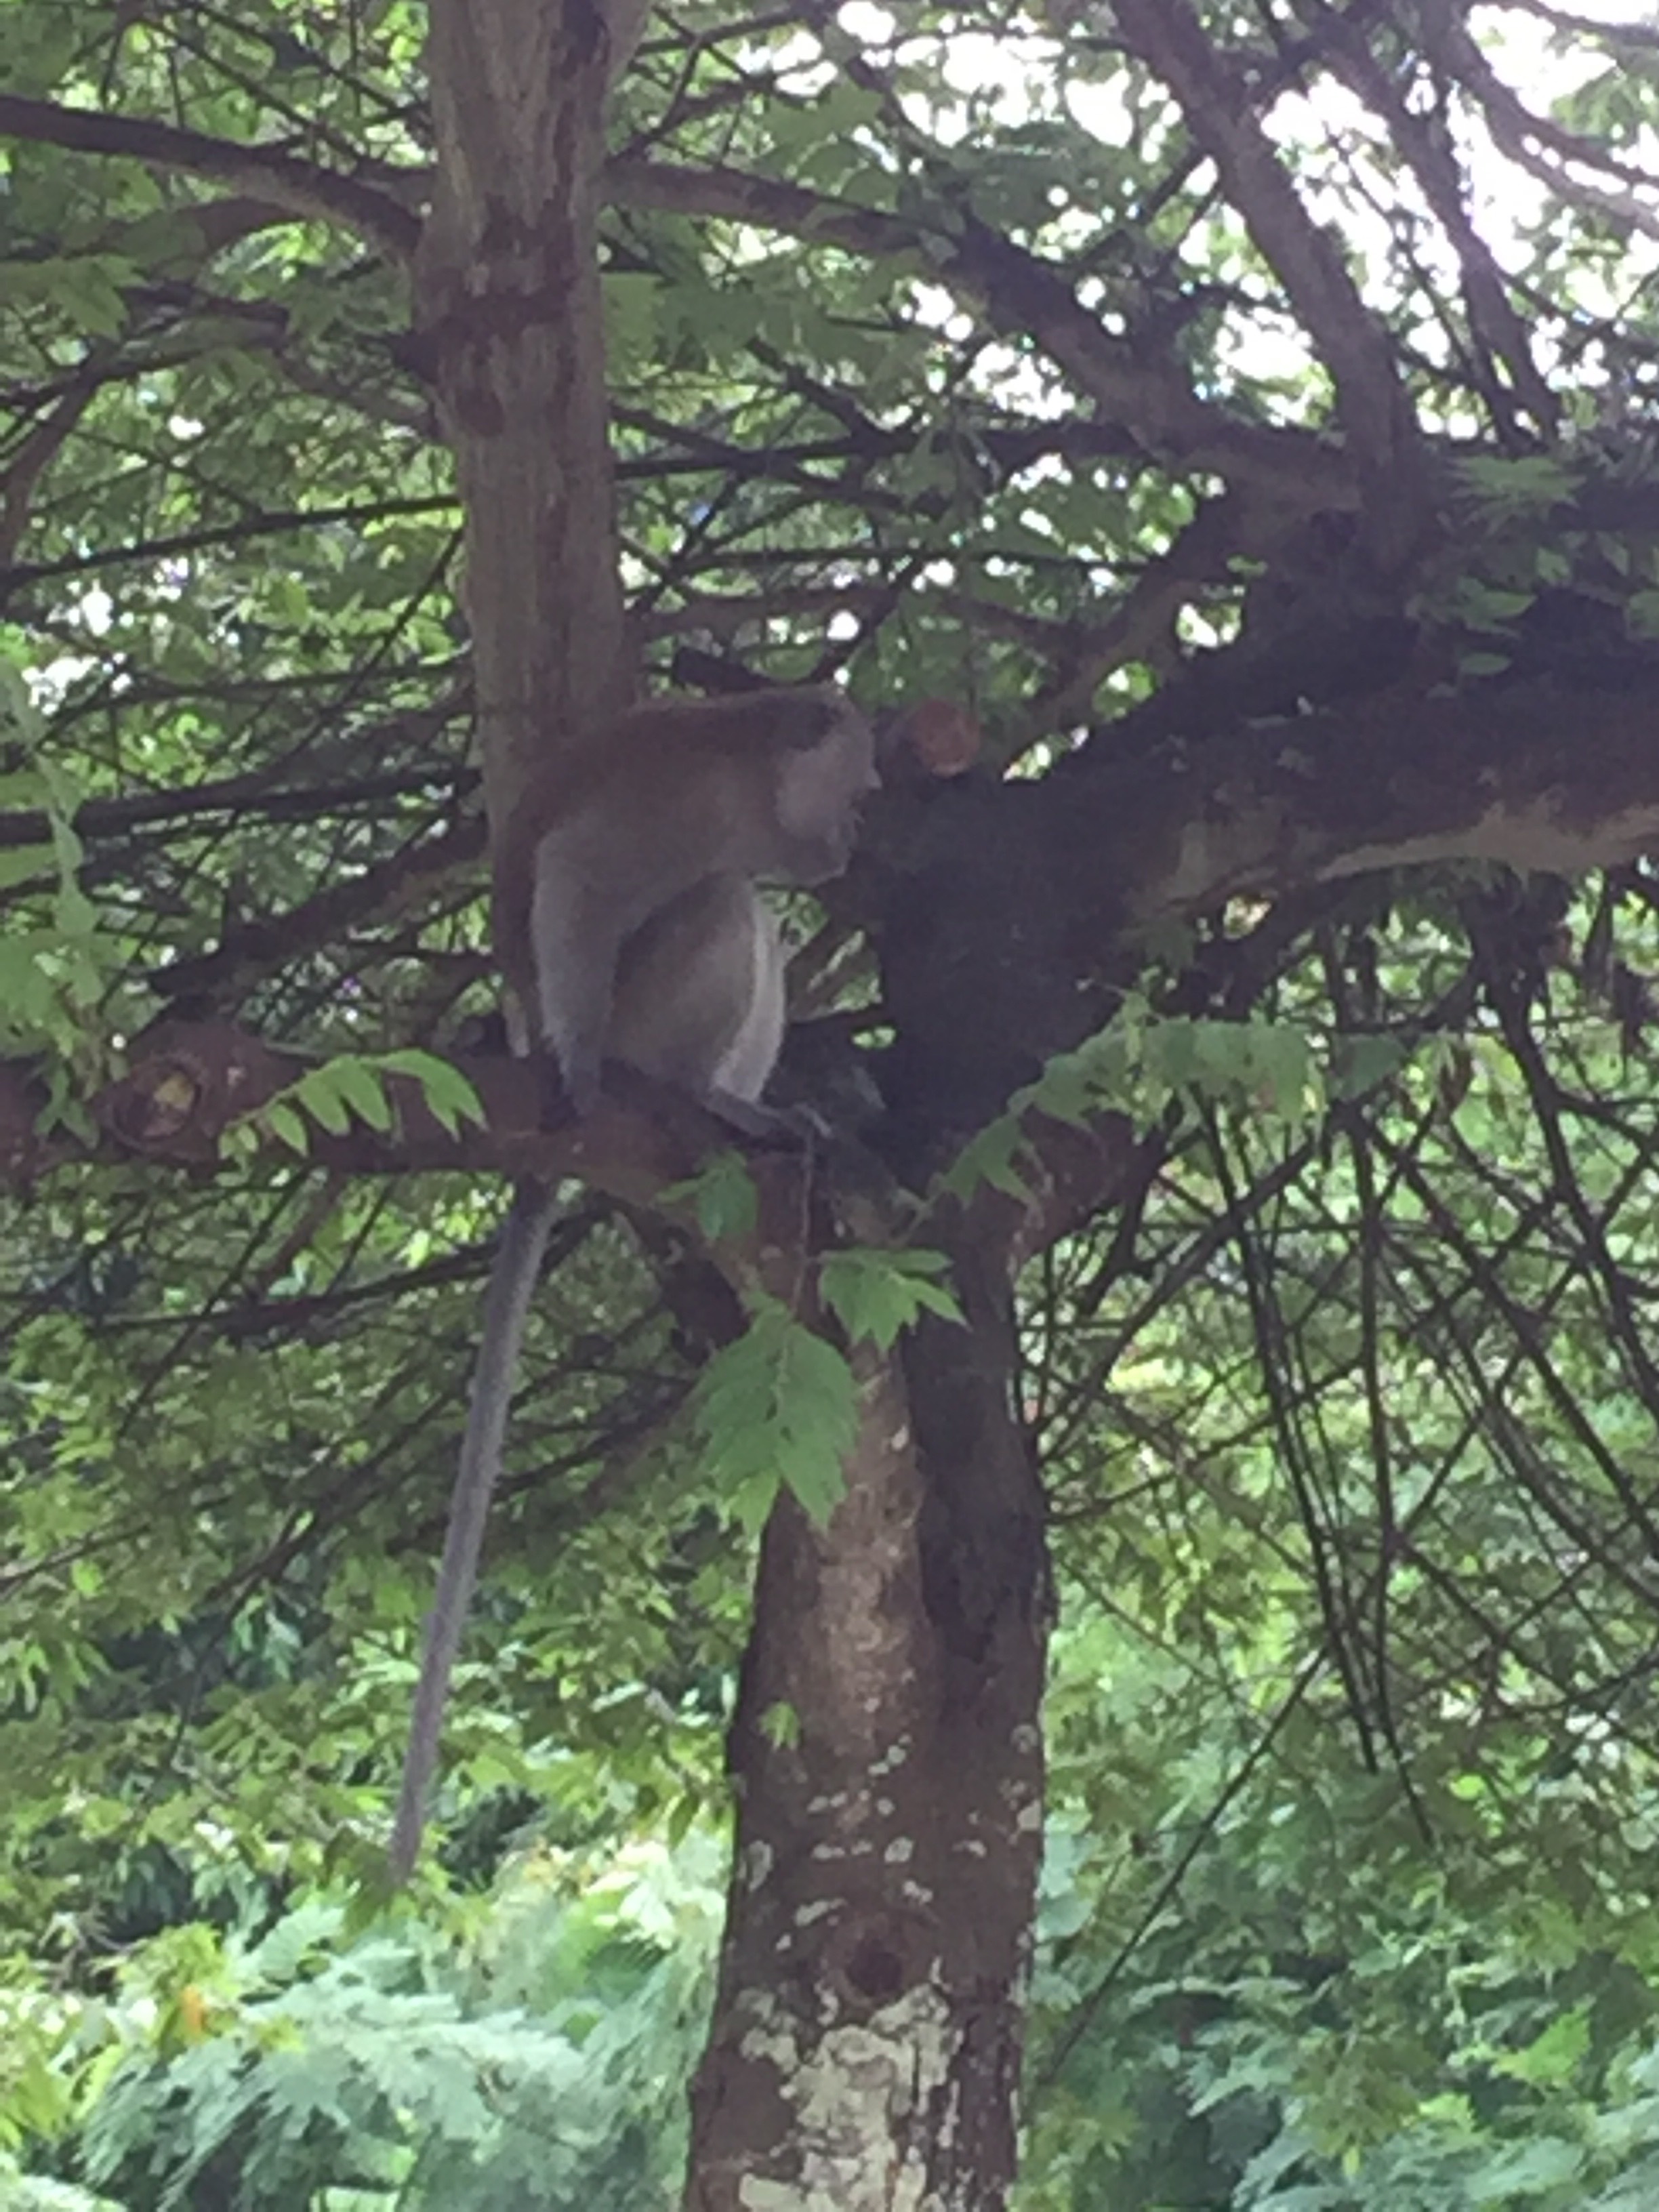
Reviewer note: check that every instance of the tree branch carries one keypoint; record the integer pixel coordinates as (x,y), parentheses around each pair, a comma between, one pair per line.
(1534,776)
(231,533)
(243,796)
(390,886)
(187,1082)
(1018,291)
(301,187)
(1380,427)
(1425,145)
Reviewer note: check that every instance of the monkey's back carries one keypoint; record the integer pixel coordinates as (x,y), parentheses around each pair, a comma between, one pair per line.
(636,825)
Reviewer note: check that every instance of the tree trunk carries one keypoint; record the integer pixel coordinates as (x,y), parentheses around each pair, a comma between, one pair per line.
(865,2051)
(513,332)
(887,1755)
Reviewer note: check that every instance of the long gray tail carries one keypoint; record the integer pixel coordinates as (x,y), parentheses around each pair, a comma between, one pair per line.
(512,1277)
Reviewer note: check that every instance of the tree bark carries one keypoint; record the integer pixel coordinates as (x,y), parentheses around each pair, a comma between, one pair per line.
(512,321)
(887,1757)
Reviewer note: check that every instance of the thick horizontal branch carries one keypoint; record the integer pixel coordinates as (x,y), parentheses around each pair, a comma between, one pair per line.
(299,186)
(1001,908)
(188,1082)
(998,875)
(1535,776)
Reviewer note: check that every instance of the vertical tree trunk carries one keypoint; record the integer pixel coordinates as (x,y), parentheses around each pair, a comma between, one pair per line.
(509,307)
(887,1755)
(865,2051)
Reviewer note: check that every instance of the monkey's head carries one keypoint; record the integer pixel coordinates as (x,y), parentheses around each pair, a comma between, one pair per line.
(826,769)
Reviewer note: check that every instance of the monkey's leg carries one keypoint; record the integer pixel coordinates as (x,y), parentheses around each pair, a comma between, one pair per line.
(575,942)
(554,1102)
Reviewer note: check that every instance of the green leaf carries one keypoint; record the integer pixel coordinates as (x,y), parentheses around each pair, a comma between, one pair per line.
(318,1091)
(39,45)
(361,1086)
(723,1197)
(449,1097)
(24,863)
(1360,1064)
(1520,484)
(876,1295)
(1284,1074)
(288,1127)
(1552,2056)
(781,1725)
(988,1158)
(86,290)
(1538,2168)
(780,1406)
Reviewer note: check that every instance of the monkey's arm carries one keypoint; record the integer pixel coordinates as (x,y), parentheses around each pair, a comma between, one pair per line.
(512,1277)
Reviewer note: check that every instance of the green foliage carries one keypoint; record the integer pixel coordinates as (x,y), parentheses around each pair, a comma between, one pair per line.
(415,2075)
(876,1295)
(1515,486)
(358,1086)
(1311,2017)
(54,970)
(723,1199)
(1141,1065)
(1293,1959)
(781,1725)
(1346,1421)
(778,1408)
(25,2192)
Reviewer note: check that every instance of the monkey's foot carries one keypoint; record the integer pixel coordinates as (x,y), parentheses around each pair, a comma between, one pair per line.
(560,1101)
(764,1125)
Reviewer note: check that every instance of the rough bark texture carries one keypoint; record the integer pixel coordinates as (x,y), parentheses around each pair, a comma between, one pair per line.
(508,304)
(888,1762)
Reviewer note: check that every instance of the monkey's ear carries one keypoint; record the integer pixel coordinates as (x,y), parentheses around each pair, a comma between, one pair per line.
(935,739)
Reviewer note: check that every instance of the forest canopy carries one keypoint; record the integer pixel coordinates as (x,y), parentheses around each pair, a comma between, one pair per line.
(1087,1640)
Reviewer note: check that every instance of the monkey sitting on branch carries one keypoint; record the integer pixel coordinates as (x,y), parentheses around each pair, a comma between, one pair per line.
(630,926)
(628,920)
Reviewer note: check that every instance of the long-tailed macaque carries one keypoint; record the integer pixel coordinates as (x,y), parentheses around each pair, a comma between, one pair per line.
(765,785)
(629,927)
